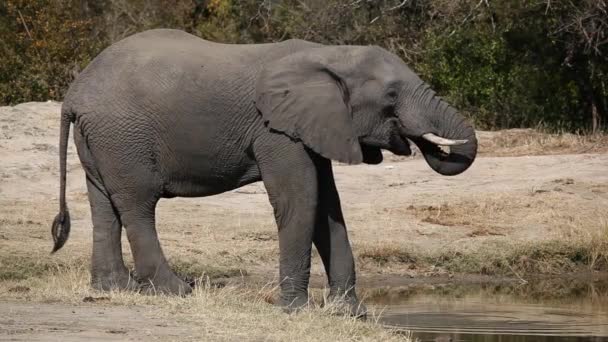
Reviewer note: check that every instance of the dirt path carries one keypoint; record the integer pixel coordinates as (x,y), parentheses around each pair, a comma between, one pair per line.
(62,322)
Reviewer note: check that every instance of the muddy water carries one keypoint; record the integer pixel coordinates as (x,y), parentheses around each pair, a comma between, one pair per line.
(545,311)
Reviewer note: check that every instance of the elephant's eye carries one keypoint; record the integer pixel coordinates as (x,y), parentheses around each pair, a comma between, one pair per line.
(392,95)
(391,101)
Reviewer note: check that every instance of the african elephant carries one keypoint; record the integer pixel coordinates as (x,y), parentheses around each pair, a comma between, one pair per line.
(164,113)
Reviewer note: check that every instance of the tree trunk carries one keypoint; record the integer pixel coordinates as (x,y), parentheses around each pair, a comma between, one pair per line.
(595,116)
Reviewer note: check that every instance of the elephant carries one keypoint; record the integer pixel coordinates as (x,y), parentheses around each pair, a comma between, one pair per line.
(163,113)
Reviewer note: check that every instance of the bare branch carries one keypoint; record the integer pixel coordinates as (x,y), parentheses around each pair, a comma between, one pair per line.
(398,6)
(27,30)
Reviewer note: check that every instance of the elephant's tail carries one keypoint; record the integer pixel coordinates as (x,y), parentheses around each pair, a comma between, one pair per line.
(60,229)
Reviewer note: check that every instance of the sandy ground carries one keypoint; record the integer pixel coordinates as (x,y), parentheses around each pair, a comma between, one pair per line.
(21,321)
(398,204)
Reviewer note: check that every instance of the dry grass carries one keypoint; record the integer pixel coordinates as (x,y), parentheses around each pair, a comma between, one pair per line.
(498,214)
(217,310)
(555,228)
(210,313)
(547,231)
(513,259)
(527,142)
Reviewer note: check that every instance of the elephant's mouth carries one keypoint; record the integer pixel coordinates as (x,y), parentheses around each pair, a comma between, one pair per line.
(400,145)
(373,154)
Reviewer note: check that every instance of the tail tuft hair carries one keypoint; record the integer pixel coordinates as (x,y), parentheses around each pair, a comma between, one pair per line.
(60,230)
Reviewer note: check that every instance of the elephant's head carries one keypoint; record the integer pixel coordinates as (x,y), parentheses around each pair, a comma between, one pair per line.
(348,102)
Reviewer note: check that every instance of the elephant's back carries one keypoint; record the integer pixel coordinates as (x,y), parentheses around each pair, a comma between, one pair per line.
(144,65)
(181,47)
(175,49)
(171,65)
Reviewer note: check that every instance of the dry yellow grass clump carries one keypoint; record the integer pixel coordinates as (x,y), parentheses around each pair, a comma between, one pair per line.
(547,232)
(228,313)
(527,142)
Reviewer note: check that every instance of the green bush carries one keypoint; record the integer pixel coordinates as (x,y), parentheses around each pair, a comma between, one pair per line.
(508,67)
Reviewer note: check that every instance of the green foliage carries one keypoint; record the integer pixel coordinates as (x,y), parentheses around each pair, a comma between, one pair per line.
(512,63)
(507,67)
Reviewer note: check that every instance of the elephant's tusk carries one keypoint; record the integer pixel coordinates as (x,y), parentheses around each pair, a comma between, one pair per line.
(437,140)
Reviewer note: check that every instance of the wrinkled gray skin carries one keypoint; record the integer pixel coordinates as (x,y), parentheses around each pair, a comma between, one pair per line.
(163,114)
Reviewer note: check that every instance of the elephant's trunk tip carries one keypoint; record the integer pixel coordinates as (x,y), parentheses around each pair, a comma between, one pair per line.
(60,230)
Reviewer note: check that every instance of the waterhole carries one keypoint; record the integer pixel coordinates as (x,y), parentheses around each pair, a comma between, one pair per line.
(553,310)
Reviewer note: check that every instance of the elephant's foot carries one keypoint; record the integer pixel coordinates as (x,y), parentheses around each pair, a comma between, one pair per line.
(117,280)
(347,304)
(165,283)
(293,303)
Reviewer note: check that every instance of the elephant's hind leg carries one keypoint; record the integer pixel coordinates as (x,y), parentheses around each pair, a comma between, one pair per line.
(108,270)
(151,267)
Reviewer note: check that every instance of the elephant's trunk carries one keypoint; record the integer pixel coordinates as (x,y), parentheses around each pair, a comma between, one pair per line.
(451,146)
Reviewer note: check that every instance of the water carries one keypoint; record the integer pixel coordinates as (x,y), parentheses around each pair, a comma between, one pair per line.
(545,311)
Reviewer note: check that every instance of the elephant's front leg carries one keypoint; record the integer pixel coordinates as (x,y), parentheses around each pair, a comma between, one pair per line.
(331,240)
(290,177)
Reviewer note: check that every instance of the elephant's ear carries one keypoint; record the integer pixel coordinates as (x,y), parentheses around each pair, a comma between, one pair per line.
(303,98)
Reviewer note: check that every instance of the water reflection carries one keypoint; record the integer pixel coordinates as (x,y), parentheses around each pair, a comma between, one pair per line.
(550,310)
